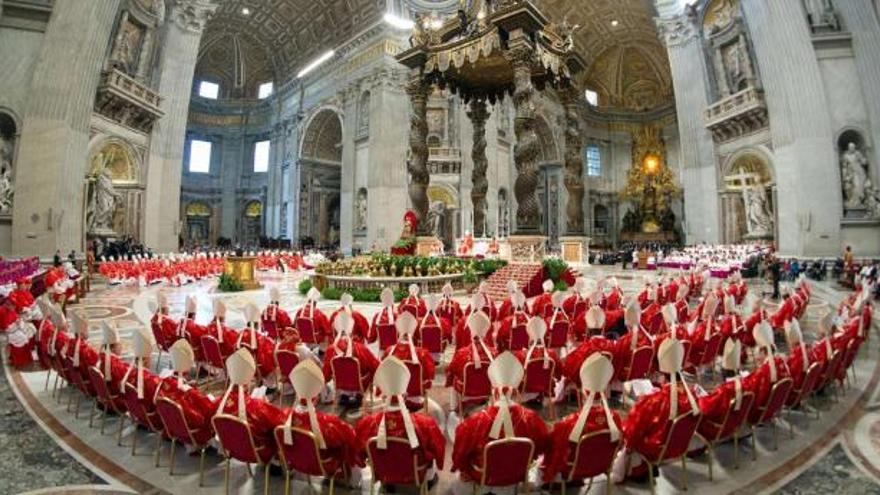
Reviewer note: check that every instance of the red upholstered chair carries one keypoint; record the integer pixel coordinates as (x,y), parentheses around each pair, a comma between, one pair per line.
(141,416)
(418,384)
(593,455)
(106,400)
(474,386)
(580,306)
(548,311)
(348,377)
(430,337)
(285,361)
(518,339)
(212,352)
(832,370)
(798,396)
(396,464)
(539,380)
(306,329)
(237,442)
(711,351)
(411,309)
(713,433)
(852,350)
(506,462)
(679,432)
(176,426)
(387,335)
(558,334)
(640,362)
(656,323)
(767,413)
(304,456)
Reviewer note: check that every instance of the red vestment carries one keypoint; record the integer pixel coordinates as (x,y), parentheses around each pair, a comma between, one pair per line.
(561,449)
(432,443)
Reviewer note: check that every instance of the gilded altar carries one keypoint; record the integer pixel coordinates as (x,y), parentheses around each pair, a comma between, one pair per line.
(243,270)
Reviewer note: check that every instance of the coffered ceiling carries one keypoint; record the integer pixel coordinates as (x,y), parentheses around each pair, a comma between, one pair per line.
(250,41)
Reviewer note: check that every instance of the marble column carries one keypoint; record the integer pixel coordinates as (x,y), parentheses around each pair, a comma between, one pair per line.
(521,55)
(418,144)
(860,19)
(347,178)
(180,48)
(805,159)
(51,164)
(323,219)
(478,114)
(574,164)
(232,149)
(697,154)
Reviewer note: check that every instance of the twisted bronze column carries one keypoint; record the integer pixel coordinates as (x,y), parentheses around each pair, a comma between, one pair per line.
(417,165)
(478,113)
(525,153)
(574,164)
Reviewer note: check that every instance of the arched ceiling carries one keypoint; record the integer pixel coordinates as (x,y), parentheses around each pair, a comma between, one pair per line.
(626,61)
(281,35)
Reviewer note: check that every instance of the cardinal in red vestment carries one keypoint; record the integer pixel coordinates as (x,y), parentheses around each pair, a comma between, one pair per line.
(311,323)
(412,303)
(477,352)
(275,320)
(406,350)
(518,319)
(346,346)
(361,330)
(595,321)
(419,430)
(504,419)
(543,304)
(594,416)
(164,328)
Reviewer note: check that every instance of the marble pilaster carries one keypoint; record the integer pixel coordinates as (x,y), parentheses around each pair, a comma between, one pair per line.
(697,155)
(347,178)
(805,161)
(55,132)
(180,42)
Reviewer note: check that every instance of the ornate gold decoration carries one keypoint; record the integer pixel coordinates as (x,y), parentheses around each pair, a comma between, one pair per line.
(253,209)
(478,113)
(650,183)
(198,209)
(443,195)
(719,14)
(117,160)
(747,171)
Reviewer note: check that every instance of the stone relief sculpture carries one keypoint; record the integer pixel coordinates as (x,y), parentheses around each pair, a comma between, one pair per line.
(363,123)
(103,204)
(7,189)
(436,215)
(126,47)
(821,15)
(360,211)
(854,170)
(759,217)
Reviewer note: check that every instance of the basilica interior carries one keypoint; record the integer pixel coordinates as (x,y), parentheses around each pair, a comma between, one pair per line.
(163,162)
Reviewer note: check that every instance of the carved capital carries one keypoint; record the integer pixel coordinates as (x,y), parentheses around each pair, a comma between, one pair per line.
(192,15)
(678,30)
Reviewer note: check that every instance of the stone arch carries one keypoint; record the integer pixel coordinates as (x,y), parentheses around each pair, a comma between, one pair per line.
(252,222)
(322,138)
(746,170)
(601,219)
(198,218)
(549,151)
(852,134)
(118,155)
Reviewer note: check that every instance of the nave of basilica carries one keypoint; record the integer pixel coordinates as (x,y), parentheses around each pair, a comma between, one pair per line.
(447,246)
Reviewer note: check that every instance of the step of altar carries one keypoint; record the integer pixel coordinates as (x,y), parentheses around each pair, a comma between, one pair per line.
(528,278)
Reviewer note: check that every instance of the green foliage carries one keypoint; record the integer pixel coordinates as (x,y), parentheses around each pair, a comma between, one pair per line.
(405,243)
(555,268)
(560,286)
(229,284)
(469,277)
(305,286)
(361,295)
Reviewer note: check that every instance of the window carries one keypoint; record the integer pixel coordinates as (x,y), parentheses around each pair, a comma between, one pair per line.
(594,161)
(261,156)
(592,97)
(200,156)
(209,90)
(265,90)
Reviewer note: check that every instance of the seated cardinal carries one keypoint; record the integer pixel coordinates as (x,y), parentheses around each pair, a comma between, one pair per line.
(504,419)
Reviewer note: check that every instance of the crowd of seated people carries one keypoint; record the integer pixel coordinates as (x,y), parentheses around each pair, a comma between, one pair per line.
(649,348)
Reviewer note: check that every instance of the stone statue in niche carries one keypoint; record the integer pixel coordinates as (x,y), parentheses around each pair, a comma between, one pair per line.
(126,47)
(103,203)
(436,215)
(854,170)
(821,15)
(759,217)
(7,189)
(360,211)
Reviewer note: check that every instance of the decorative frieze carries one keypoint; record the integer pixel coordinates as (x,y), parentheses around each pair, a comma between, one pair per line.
(737,115)
(124,100)
(192,15)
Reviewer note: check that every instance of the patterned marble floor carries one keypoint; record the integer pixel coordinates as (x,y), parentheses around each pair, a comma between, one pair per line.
(839,452)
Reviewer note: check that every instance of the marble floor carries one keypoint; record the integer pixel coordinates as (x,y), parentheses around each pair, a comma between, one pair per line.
(47,450)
